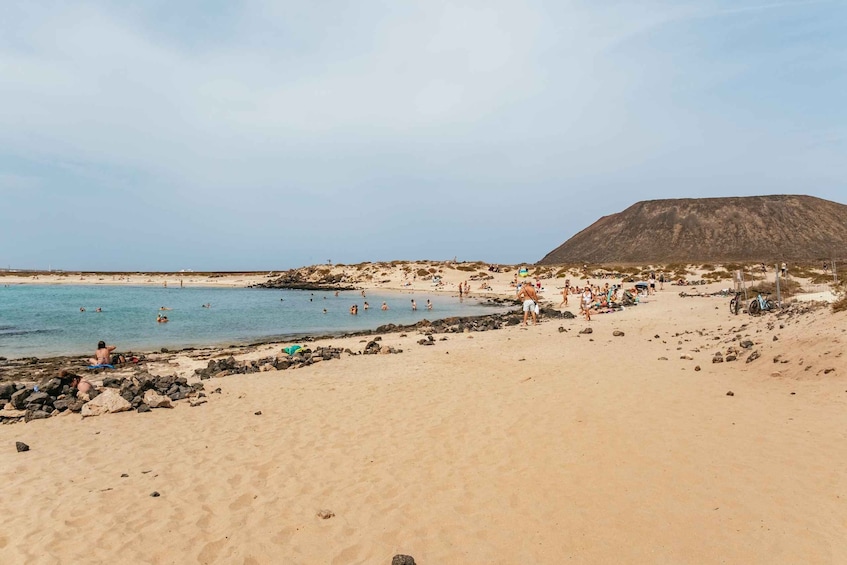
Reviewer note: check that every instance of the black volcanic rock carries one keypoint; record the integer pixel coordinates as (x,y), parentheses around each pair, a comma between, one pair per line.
(699,230)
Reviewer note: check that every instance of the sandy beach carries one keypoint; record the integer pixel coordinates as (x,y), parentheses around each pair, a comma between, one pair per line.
(521,445)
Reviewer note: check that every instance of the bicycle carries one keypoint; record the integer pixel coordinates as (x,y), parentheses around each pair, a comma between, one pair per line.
(735,303)
(761,304)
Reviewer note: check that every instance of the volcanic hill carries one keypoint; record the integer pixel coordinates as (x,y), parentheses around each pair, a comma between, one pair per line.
(713,230)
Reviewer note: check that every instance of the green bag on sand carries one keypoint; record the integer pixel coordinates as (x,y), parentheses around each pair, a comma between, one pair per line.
(292,349)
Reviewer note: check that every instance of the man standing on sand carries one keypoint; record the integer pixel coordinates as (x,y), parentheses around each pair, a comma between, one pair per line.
(530,302)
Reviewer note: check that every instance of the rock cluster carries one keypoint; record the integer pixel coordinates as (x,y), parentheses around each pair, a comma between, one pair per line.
(301,358)
(55,395)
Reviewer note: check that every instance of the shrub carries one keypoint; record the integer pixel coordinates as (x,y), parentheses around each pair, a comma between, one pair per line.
(840,305)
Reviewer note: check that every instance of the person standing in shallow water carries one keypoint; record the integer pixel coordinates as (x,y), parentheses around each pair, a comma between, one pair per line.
(414,305)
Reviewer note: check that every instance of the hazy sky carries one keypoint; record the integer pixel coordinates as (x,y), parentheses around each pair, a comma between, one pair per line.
(218,135)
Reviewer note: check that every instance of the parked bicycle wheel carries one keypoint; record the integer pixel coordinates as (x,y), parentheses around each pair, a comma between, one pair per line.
(770,305)
(754,309)
(734,306)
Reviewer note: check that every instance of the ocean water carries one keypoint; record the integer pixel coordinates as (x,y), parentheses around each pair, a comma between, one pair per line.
(45,320)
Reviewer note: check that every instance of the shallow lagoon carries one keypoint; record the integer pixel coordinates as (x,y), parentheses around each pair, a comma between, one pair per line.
(45,320)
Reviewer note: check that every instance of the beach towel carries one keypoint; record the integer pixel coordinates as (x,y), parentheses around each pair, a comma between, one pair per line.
(101,366)
(292,349)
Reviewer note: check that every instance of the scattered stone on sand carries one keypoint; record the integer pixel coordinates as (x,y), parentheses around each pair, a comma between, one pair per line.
(746,344)
(124,475)
(663,358)
(325,514)
(730,393)
(155,494)
(142,408)
(718,358)
(108,401)
(561,329)
(400,559)
(618,333)
(752,357)
(586,331)
(155,400)
(828,371)
(697,368)
(257,413)
(686,357)
(21,446)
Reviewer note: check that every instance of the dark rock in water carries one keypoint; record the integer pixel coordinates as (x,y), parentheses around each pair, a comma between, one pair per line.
(21,446)
(586,331)
(6,390)
(143,408)
(400,559)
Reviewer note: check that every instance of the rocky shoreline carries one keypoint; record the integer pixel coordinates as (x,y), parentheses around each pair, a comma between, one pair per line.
(308,278)
(132,387)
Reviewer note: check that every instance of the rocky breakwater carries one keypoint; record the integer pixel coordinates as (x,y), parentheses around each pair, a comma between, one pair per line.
(54,396)
(309,278)
(291,359)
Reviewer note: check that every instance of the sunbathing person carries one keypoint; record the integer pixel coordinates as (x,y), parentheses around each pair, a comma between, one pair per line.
(103,355)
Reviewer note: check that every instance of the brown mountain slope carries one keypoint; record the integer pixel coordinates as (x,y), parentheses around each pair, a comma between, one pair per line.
(692,230)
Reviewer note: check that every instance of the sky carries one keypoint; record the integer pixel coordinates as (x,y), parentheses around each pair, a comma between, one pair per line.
(264,135)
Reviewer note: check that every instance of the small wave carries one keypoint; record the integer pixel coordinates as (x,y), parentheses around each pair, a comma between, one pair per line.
(9,331)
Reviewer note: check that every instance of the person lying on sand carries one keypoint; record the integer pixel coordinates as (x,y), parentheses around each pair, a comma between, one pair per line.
(103,355)
(75,381)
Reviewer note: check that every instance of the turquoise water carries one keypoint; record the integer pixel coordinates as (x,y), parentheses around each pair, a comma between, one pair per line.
(44,320)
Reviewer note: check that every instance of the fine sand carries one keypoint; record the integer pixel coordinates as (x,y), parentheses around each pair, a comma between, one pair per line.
(523,445)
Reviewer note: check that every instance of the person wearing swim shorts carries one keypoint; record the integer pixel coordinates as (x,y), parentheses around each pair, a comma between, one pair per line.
(587,300)
(530,302)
